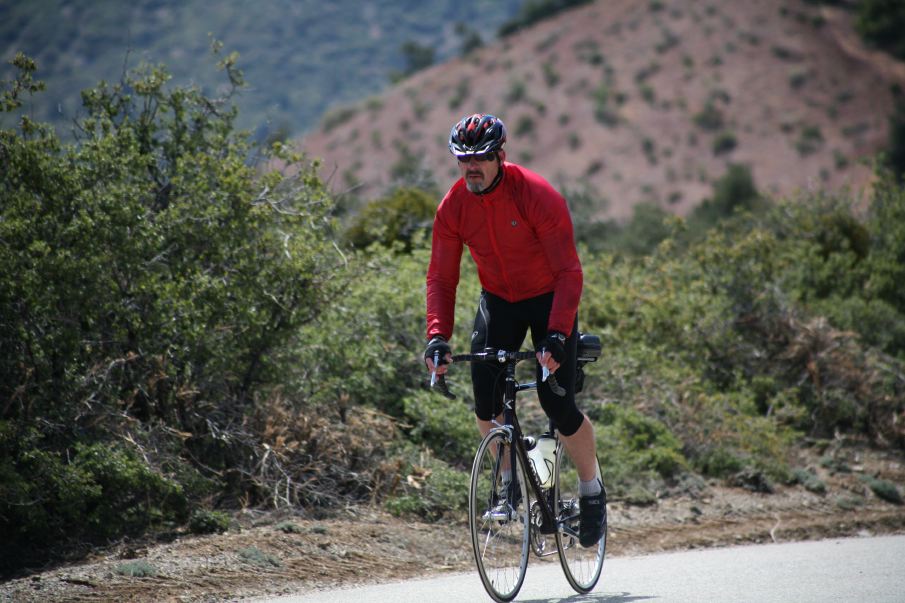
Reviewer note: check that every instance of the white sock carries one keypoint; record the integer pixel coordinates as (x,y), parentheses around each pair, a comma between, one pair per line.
(592,487)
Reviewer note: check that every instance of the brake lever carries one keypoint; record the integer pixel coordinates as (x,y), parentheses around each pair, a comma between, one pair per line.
(442,386)
(550,378)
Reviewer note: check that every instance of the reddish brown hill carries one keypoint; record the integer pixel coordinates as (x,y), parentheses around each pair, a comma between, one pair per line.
(641,101)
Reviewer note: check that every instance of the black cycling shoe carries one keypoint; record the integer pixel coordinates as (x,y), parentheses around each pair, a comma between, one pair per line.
(592,516)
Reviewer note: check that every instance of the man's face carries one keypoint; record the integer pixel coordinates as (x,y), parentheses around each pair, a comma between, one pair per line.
(477,172)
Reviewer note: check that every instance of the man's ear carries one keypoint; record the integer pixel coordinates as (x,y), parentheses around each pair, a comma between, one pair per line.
(502,154)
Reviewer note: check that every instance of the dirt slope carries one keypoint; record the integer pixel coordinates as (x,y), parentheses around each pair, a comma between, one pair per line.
(640,101)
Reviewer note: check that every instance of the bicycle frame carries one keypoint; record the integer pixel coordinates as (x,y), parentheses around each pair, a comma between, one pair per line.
(510,426)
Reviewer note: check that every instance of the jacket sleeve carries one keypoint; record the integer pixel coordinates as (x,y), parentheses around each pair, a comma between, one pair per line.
(553,225)
(443,273)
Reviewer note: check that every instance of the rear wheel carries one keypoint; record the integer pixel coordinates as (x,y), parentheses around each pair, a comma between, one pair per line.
(498,516)
(581,565)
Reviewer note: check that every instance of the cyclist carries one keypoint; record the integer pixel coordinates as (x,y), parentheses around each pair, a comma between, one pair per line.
(519,232)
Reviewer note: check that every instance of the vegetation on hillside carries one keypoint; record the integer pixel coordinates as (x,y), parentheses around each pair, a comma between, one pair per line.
(304,57)
(535,11)
(881,23)
(187,331)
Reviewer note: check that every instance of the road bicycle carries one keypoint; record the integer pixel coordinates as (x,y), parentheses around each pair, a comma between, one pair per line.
(537,509)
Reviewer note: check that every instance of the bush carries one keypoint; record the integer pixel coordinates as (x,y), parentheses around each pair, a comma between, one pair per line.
(395,219)
(810,481)
(636,451)
(883,489)
(431,490)
(208,522)
(256,556)
(148,275)
(881,23)
(733,191)
(447,427)
(724,142)
(136,569)
(895,155)
(87,494)
(709,118)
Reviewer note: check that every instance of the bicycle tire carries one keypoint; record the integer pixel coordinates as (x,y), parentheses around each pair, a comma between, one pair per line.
(499,533)
(582,566)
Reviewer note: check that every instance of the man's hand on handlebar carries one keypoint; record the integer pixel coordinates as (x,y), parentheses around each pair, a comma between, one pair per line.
(437,355)
(554,351)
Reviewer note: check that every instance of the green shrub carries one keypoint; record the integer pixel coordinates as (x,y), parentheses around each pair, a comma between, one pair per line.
(881,23)
(256,556)
(90,493)
(724,142)
(551,76)
(809,480)
(150,272)
(203,521)
(709,118)
(895,154)
(524,126)
(810,139)
(447,427)
(430,492)
(634,449)
(136,569)
(288,527)
(883,489)
(849,503)
(393,219)
(733,192)
(603,111)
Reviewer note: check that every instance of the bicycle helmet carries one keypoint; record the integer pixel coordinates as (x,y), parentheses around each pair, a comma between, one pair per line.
(477,134)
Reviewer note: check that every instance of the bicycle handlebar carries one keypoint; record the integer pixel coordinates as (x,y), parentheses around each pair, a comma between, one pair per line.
(501,356)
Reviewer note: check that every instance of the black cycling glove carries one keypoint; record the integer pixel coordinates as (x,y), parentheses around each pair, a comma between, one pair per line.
(437,345)
(555,343)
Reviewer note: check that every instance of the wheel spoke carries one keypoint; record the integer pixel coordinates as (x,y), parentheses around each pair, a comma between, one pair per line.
(499,528)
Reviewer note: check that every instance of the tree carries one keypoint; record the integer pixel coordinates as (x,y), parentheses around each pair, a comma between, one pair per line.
(881,22)
(150,274)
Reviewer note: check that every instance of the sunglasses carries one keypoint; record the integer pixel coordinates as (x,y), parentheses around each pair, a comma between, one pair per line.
(480,157)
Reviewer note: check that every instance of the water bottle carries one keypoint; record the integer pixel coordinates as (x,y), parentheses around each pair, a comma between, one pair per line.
(542,455)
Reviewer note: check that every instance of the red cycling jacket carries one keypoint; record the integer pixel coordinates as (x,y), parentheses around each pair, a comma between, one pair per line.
(520,236)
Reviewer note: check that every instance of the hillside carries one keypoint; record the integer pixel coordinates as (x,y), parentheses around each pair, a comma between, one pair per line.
(640,102)
(299,57)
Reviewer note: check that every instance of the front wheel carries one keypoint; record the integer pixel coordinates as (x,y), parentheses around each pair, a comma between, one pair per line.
(498,516)
(582,566)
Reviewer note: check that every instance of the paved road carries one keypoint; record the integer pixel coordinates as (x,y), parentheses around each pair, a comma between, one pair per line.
(855,569)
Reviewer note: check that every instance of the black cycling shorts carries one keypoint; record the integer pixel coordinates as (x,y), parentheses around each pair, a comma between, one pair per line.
(503,325)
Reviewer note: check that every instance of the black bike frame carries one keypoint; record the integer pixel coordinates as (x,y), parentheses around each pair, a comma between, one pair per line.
(511,425)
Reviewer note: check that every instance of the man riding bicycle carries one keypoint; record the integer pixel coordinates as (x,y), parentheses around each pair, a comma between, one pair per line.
(519,232)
